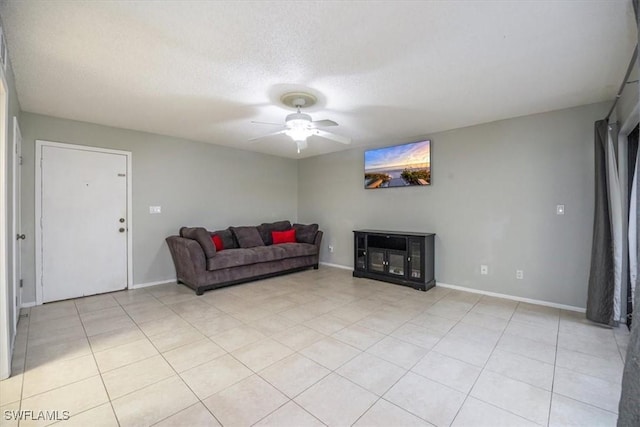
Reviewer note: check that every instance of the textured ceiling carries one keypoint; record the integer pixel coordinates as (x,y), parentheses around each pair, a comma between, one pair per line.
(387,72)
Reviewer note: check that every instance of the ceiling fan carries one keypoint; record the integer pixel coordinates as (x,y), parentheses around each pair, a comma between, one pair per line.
(299,126)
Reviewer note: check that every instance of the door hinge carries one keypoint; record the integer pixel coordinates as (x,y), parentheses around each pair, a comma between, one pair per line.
(20,282)
(20,160)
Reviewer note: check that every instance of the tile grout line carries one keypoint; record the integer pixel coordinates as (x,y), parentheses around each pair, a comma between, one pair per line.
(467,394)
(24,366)
(577,372)
(292,399)
(586,404)
(331,371)
(407,371)
(484,366)
(86,337)
(264,379)
(555,361)
(177,374)
(239,361)
(382,302)
(389,335)
(104,386)
(58,387)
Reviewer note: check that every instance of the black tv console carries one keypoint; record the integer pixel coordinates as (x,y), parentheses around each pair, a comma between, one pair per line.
(396,257)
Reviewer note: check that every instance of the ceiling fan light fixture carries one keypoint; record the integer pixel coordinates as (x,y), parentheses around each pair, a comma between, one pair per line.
(299,133)
(299,126)
(297,120)
(301,145)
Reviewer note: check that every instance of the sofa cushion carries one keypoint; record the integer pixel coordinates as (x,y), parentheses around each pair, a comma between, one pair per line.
(298,249)
(228,241)
(279,237)
(247,237)
(231,258)
(201,236)
(239,257)
(266,228)
(269,253)
(305,233)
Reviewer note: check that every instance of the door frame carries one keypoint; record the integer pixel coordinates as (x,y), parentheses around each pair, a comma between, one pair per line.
(6,340)
(17,220)
(38,207)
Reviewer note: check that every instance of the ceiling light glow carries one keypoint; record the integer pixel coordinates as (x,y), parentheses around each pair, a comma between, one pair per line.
(298,133)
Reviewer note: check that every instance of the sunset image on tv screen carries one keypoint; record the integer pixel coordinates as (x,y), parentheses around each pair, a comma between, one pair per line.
(398,166)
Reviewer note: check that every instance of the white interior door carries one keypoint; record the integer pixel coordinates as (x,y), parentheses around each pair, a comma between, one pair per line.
(83,222)
(17,235)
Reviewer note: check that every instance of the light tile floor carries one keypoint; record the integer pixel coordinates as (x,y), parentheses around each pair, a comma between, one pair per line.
(312,348)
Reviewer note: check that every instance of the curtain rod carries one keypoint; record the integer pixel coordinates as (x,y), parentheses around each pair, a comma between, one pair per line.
(624,81)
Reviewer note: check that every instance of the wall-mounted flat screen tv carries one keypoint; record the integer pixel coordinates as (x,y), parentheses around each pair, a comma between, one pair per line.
(398,166)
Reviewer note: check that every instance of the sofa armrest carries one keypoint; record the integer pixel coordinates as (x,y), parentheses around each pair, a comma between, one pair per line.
(188,258)
(318,240)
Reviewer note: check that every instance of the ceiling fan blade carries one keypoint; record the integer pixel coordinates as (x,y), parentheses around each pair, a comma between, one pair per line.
(332,136)
(323,123)
(266,123)
(267,135)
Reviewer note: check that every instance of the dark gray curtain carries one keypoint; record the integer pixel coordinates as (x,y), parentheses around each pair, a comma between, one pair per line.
(629,409)
(601,276)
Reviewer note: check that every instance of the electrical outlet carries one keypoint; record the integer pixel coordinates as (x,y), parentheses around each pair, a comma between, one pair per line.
(519,274)
(484,269)
(330,248)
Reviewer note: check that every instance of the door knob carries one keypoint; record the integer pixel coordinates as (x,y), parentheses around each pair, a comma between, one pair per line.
(121,230)
(20,237)
(121,219)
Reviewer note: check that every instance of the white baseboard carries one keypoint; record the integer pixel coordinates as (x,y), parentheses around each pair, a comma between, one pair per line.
(444,285)
(512,297)
(146,285)
(491,294)
(343,267)
(136,286)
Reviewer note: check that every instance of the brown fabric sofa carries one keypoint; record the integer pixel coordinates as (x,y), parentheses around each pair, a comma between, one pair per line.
(248,254)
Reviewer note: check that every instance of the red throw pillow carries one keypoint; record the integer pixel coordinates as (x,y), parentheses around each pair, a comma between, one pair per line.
(288,236)
(217,241)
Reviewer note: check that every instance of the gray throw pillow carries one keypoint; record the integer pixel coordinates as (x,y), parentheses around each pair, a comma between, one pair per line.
(228,241)
(266,228)
(202,236)
(247,237)
(305,233)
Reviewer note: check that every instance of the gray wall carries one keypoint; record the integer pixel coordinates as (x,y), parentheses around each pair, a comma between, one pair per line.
(195,183)
(493,201)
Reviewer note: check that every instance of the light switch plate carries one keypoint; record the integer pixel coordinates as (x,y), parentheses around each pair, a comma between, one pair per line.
(155,209)
(560,209)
